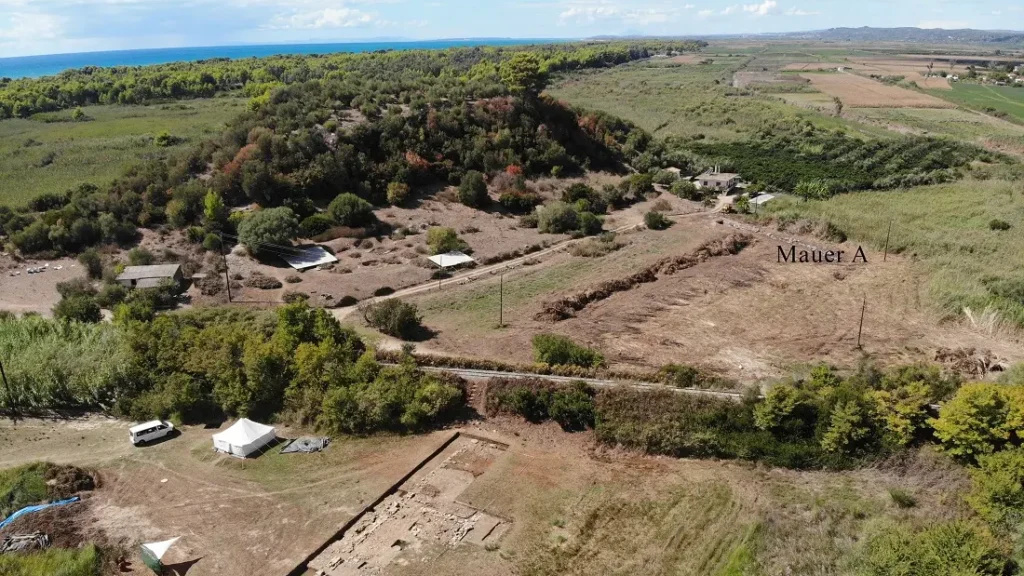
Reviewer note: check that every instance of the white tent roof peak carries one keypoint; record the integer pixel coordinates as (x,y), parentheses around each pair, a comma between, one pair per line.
(243,432)
(160,548)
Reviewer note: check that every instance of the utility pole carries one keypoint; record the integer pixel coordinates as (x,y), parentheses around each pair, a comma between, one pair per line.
(501,302)
(224,258)
(885,256)
(860,328)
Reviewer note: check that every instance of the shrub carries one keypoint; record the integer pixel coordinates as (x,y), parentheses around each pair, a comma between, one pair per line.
(557,218)
(945,548)
(981,418)
(93,264)
(350,210)
(164,139)
(656,220)
(559,350)
(315,225)
(442,240)
(902,498)
(585,197)
(573,407)
(998,492)
(398,193)
(999,225)
(519,202)
(589,224)
(139,256)
(473,190)
(290,297)
(685,189)
(75,287)
(211,242)
(78,308)
(111,295)
(641,184)
(268,228)
(530,404)
(393,317)
(665,177)
(531,220)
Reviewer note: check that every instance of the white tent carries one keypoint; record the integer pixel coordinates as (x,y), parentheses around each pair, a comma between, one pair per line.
(153,554)
(449,259)
(243,438)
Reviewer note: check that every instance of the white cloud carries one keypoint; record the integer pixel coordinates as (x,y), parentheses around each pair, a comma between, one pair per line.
(325,18)
(689,7)
(31,27)
(706,13)
(944,24)
(580,13)
(730,10)
(762,9)
(794,11)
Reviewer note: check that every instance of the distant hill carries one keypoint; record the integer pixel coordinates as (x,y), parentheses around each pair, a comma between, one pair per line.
(1007,38)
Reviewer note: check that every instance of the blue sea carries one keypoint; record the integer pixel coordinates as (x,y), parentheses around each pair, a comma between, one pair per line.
(35,66)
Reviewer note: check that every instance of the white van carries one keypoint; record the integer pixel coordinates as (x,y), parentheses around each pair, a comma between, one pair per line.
(148,431)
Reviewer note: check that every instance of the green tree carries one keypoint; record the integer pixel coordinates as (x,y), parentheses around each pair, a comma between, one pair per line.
(656,220)
(271,226)
(350,210)
(442,240)
(398,193)
(573,407)
(998,492)
(78,308)
(215,213)
(473,190)
(393,317)
(93,264)
(557,218)
(522,74)
(849,426)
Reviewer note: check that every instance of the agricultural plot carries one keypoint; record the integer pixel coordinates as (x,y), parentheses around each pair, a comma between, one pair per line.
(954,123)
(857,91)
(966,265)
(52,153)
(731,314)
(1002,100)
(687,100)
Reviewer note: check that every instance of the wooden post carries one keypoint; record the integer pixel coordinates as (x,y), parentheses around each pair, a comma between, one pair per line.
(501,302)
(860,328)
(885,255)
(7,386)
(227,279)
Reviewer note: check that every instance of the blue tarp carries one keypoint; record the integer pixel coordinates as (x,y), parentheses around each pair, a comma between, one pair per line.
(37,508)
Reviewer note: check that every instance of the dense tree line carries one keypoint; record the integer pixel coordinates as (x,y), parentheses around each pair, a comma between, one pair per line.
(434,72)
(307,143)
(298,365)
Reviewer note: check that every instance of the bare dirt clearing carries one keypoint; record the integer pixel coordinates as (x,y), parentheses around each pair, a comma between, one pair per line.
(237,517)
(746,316)
(22,292)
(860,92)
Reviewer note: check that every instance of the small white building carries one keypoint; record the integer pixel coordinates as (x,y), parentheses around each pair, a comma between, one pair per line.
(720,181)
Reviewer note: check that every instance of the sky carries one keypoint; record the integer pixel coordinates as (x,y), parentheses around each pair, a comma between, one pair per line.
(30,27)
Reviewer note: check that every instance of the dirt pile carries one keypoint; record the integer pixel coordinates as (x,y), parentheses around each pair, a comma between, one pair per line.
(566,307)
(970,362)
(261,281)
(66,481)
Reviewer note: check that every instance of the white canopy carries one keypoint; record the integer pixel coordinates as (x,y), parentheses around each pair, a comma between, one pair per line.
(449,259)
(243,438)
(763,198)
(158,549)
(308,257)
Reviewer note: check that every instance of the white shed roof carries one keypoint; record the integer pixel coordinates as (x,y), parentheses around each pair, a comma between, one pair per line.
(449,259)
(308,257)
(763,198)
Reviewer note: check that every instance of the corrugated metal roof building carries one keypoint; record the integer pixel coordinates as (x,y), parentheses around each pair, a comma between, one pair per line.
(150,276)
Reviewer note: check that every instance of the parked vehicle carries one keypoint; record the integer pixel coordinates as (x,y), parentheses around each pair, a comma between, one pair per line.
(149,431)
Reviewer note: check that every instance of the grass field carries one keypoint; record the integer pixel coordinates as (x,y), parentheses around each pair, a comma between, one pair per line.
(946,228)
(687,100)
(955,123)
(37,156)
(1006,99)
